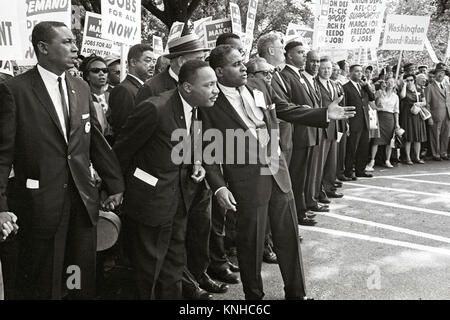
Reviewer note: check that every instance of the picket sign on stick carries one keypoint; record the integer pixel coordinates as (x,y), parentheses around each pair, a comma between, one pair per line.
(399,64)
(123,61)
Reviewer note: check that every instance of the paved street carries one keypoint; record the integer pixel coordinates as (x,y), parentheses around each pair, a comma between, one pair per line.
(388,238)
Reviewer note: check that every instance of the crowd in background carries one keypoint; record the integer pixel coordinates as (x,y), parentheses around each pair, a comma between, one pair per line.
(398,119)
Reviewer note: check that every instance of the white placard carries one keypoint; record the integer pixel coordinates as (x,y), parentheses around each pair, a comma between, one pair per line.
(38,11)
(199,28)
(6,67)
(236,23)
(121,21)
(158,47)
(93,41)
(10,27)
(404,32)
(215,28)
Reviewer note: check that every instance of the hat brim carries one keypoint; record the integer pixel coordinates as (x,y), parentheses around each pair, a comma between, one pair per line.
(180,53)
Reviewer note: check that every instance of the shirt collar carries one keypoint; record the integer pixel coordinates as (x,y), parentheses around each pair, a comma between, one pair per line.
(48,75)
(308,76)
(186,105)
(293,68)
(139,80)
(355,84)
(324,81)
(172,74)
(227,90)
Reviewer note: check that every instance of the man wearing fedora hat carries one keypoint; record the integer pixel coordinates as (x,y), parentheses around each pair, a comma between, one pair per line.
(195,279)
(181,49)
(437,96)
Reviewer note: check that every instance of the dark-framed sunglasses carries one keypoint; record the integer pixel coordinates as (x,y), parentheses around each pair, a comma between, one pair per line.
(97,70)
(265,73)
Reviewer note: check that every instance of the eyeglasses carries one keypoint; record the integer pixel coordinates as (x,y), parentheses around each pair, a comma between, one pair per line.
(265,72)
(97,70)
(409,80)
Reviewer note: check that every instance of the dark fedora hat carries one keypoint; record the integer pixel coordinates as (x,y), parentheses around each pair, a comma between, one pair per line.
(183,45)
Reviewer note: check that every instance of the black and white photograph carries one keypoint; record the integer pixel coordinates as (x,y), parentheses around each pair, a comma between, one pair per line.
(225,150)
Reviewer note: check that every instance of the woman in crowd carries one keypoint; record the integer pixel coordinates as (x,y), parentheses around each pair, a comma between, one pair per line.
(387,106)
(95,73)
(415,128)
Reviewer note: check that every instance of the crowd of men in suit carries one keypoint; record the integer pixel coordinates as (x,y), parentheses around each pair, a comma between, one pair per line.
(307,128)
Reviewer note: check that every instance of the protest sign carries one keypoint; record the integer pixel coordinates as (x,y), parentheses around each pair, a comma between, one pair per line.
(76,15)
(176,30)
(158,47)
(329,25)
(296,30)
(404,32)
(236,24)
(250,26)
(199,28)
(121,21)
(6,67)
(215,28)
(363,23)
(10,37)
(346,24)
(447,53)
(93,43)
(38,11)
(431,51)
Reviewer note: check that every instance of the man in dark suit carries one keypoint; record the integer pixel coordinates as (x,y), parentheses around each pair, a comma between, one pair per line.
(51,134)
(271,49)
(184,49)
(257,186)
(304,138)
(358,94)
(180,50)
(328,145)
(121,99)
(437,96)
(161,187)
(342,128)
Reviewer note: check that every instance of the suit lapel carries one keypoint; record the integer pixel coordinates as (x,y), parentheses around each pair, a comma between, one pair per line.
(134,82)
(280,82)
(75,116)
(178,110)
(328,93)
(438,88)
(43,97)
(265,112)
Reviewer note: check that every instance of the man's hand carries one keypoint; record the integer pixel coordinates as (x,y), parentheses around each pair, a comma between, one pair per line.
(336,112)
(226,199)
(198,173)
(112,202)
(8,224)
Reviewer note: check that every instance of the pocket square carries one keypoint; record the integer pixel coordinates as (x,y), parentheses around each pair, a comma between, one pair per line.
(85,116)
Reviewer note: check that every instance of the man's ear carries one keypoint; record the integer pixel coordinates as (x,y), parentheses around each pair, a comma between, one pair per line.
(181,60)
(187,87)
(132,62)
(42,47)
(219,72)
(271,51)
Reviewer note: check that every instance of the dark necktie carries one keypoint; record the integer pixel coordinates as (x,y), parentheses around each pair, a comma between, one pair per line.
(196,143)
(64,107)
(359,89)
(330,90)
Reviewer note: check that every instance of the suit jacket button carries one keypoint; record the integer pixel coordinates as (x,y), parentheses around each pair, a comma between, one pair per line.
(65,186)
(69,157)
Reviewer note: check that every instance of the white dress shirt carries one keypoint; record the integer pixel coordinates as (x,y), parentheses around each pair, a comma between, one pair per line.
(356,86)
(310,79)
(329,86)
(187,109)
(173,74)
(51,84)
(235,100)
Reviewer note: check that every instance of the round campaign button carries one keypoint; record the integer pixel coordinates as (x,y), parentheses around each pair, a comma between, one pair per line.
(87,127)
